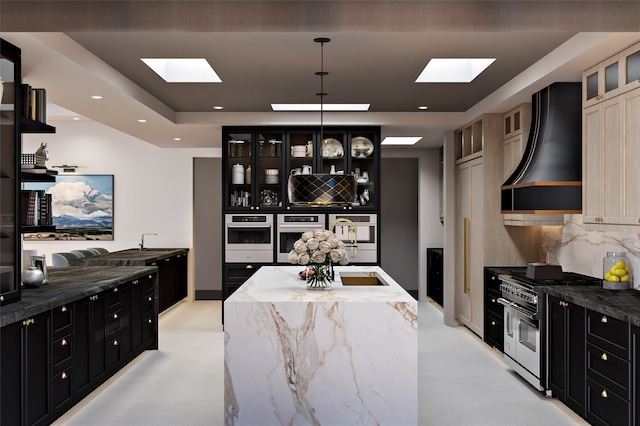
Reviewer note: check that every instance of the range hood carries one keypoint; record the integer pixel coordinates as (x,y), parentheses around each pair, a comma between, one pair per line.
(548,180)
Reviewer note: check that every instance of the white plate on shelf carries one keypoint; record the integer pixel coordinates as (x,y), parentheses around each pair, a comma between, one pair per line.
(361,147)
(332,147)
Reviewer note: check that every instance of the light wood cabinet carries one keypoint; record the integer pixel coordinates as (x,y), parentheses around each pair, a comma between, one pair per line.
(611,152)
(613,76)
(516,127)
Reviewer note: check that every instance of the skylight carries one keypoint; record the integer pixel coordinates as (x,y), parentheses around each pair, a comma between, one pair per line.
(183,70)
(401,140)
(453,70)
(316,107)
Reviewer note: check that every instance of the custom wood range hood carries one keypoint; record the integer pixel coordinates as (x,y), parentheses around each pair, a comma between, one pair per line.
(548,180)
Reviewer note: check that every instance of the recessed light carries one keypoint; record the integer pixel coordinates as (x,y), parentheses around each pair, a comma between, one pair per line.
(177,139)
(401,140)
(183,70)
(218,107)
(142,120)
(96,97)
(453,70)
(76,118)
(423,107)
(316,107)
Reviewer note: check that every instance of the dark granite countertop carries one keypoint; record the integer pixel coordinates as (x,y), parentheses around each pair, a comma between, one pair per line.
(620,304)
(129,257)
(67,285)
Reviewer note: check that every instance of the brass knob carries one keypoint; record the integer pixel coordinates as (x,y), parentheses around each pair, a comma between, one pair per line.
(493,323)
(1,298)
(64,342)
(249,267)
(135,282)
(493,300)
(604,319)
(115,290)
(64,375)
(63,309)
(115,316)
(604,394)
(149,275)
(167,260)
(604,357)
(115,343)
(150,322)
(150,299)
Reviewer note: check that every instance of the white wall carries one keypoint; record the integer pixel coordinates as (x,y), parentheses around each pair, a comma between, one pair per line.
(153,187)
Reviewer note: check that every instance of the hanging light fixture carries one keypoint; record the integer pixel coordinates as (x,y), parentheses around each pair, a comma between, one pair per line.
(322,73)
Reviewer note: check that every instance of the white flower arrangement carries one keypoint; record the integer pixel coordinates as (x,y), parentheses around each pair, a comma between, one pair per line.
(318,251)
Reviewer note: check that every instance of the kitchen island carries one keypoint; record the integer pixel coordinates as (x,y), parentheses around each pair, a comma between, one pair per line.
(294,356)
(171,263)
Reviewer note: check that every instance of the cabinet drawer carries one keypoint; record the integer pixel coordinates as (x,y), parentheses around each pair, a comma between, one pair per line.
(61,353)
(239,272)
(61,321)
(114,323)
(608,333)
(61,390)
(493,306)
(112,353)
(494,331)
(610,370)
(114,299)
(604,407)
(148,303)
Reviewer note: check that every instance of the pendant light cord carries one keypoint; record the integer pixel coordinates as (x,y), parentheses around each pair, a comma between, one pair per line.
(322,73)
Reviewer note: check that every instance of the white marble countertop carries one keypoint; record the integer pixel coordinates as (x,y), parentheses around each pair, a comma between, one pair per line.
(282,284)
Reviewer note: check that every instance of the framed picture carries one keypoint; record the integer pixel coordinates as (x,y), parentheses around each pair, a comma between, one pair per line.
(81,206)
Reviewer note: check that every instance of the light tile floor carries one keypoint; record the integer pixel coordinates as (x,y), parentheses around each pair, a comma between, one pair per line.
(462,381)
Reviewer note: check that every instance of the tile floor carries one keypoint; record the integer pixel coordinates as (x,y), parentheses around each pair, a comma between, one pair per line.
(462,381)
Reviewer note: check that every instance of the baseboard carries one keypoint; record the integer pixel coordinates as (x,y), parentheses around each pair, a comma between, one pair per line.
(208,294)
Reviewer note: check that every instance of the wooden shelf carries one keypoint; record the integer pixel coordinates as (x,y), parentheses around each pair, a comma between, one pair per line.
(25,229)
(28,125)
(26,176)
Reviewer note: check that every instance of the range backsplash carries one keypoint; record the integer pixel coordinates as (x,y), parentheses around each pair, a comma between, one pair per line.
(581,251)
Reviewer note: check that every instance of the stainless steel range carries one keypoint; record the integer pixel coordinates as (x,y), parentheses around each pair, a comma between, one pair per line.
(524,319)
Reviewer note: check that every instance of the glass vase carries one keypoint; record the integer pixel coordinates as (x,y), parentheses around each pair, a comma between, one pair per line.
(321,277)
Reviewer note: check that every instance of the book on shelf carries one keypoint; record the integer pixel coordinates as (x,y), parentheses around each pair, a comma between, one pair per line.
(34,103)
(35,207)
(39,170)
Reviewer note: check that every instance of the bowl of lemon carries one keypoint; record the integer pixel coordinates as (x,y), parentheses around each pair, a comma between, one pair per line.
(616,271)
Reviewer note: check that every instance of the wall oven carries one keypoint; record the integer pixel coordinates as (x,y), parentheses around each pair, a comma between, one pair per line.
(249,238)
(359,232)
(289,228)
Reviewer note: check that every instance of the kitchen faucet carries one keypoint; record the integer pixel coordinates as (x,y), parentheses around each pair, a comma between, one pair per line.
(142,240)
(352,232)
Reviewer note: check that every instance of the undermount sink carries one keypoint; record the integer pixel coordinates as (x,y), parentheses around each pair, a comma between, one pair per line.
(361,278)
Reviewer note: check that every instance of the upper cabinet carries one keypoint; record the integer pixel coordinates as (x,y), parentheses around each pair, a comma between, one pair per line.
(612,77)
(468,141)
(516,126)
(611,149)
(259,161)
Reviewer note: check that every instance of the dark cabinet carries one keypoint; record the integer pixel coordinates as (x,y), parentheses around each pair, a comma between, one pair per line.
(25,372)
(90,337)
(567,352)
(172,280)
(434,275)
(635,341)
(493,311)
(610,395)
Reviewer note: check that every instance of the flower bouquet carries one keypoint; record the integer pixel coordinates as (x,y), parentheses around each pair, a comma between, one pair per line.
(318,250)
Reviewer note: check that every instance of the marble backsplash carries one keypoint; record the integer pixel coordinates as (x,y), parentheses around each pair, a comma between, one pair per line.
(579,250)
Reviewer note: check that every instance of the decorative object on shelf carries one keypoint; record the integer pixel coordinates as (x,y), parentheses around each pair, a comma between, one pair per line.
(616,270)
(81,208)
(271,176)
(310,149)
(332,148)
(364,197)
(237,174)
(40,262)
(299,151)
(268,198)
(364,178)
(306,169)
(321,189)
(32,277)
(42,155)
(361,147)
(247,175)
(318,250)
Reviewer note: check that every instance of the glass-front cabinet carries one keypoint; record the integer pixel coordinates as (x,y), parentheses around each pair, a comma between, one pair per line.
(259,161)
(613,76)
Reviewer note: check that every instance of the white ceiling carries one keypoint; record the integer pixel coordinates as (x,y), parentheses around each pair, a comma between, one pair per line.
(263,67)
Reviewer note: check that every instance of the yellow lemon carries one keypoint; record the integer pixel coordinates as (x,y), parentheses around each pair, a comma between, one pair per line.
(613,269)
(607,275)
(620,272)
(614,279)
(621,264)
(624,278)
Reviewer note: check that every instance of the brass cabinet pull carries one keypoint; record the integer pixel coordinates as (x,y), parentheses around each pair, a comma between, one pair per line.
(167,260)
(64,375)
(604,394)
(604,319)
(135,282)
(150,276)
(150,322)
(493,323)
(115,343)
(115,290)
(466,254)
(115,316)
(1,298)
(28,322)
(95,297)
(604,357)
(150,299)
(493,300)
(63,308)
(153,263)
(64,342)
(249,267)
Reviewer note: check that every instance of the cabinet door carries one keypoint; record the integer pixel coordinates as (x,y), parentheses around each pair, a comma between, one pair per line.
(89,351)
(237,151)
(602,156)
(36,370)
(635,398)
(11,374)
(576,358)
(513,149)
(630,68)
(630,157)
(270,178)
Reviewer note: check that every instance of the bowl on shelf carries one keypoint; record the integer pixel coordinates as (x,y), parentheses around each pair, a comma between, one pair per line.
(272,172)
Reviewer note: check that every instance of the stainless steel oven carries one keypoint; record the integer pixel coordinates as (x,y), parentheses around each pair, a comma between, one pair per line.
(248,238)
(289,228)
(359,232)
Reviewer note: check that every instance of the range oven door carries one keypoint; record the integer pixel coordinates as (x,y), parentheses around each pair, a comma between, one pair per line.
(248,238)
(522,350)
(290,228)
(365,236)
